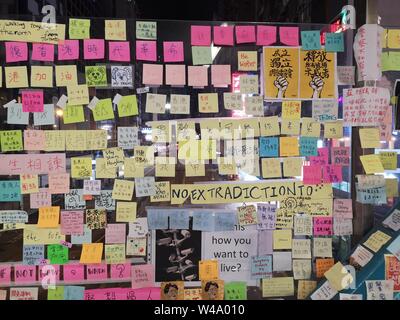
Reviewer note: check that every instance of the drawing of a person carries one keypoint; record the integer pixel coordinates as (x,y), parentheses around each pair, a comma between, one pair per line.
(211,289)
(171,291)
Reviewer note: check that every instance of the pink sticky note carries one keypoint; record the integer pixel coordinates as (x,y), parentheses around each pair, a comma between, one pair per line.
(43,52)
(266,35)
(245,34)
(322,226)
(49,270)
(223,36)
(153,293)
(40,199)
(24,274)
(68,50)
(115,233)
(332,174)
(38,163)
(119,51)
(173,51)
(142,276)
(16,51)
(32,101)
(322,159)
(96,271)
(5,274)
(343,208)
(121,271)
(200,35)
(197,76)
(59,183)
(146,50)
(34,140)
(175,74)
(221,75)
(73,272)
(93,49)
(72,222)
(152,74)
(289,36)
(312,174)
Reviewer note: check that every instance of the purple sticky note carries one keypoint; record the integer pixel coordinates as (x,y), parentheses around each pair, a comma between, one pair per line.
(221,75)
(265,242)
(93,49)
(24,274)
(121,271)
(43,52)
(152,74)
(312,174)
(266,35)
(32,101)
(289,36)
(68,50)
(119,51)
(173,51)
(175,74)
(5,274)
(200,35)
(146,50)
(16,51)
(96,271)
(223,36)
(245,34)
(74,272)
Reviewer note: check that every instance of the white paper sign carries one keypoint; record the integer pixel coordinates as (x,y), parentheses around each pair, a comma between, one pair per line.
(393,221)
(324,292)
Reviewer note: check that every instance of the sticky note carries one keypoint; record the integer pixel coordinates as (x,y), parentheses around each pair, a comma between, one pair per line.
(96,76)
(269,126)
(73,114)
(289,147)
(43,52)
(221,75)
(152,74)
(266,35)
(235,290)
(16,116)
(42,76)
(393,37)
(123,190)
(126,211)
(334,42)
(197,76)
(223,35)
(175,75)
(377,240)
(32,101)
(247,61)
(16,51)
(308,146)
(93,49)
(292,167)
(59,183)
(103,110)
(115,29)
(155,103)
(48,217)
(173,51)
(310,40)
(81,167)
(201,55)
(57,254)
(91,253)
(312,174)
(322,247)
(369,137)
(121,76)
(388,159)
(200,35)
(96,219)
(372,163)
(78,94)
(208,102)
(127,106)
(146,50)
(142,276)
(245,34)
(66,75)
(271,168)
(269,147)
(282,239)
(115,253)
(289,36)
(119,51)
(291,110)
(146,30)
(277,287)
(79,28)
(11,140)
(16,77)
(68,50)
(208,270)
(249,84)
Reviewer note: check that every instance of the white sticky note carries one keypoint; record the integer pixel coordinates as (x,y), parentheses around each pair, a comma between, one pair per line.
(92,104)
(62,102)
(9,104)
(117,98)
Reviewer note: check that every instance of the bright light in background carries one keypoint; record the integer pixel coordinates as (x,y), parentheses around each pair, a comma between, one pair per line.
(168,106)
(59,112)
(148,137)
(320,143)
(106,127)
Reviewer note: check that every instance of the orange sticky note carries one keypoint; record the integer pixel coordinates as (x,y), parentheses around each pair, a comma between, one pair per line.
(208,269)
(91,253)
(289,146)
(49,217)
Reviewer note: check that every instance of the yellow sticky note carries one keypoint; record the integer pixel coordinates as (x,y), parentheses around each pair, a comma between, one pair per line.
(372,163)
(208,102)
(185,130)
(305,288)
(249,128)
(132,169)
(126,211)
(369,138)
(195,169)
(114,157)
(81,167)
(54,140)
(144,155)
(75,140)
(123,189)
(104,172)
(195,150)
(35,235)
(96,139)
(269,126)
(163,192)
(338,277)
(209,129)
(322,247)
(160,131)
(271,168)
(48,217)
(208,269)
(290,127)
(291,110)
(376,240)
(91,253)
(333,130)
(127,106)
(115,29)
(392,187)
(16,77)
(289,146)
(229,129)
(78,94)
(388,159)
(42,76)
(393,37)
(277,287)
(247,60)
(66,75)
(115,253)
(29,183)
(103,110)
(310,128)
(292,167)
(79,28)
(73,114)
(165,166)
(282,239)
(227,165)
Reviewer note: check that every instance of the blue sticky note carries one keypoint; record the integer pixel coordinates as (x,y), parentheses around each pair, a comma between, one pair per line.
(74,292)
(10,191)
(16,116)
(203,220)
(178,219)
(269,147)
(334,42)
(32,254)
(157,219)
(308,146)
(261,267)
(310,40)
(394,247)
(225,221)
(85,238)
(47,117)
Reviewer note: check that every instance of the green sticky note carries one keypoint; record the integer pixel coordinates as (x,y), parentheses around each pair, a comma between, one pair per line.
(394,60)
(146,30)
(201,55)
(73,114)
(236,290)
(103,110)
(385,62)
(96,76)
(57,254)
(55,294)
(127,106)
(79,28)
(11,140)
(334,42)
